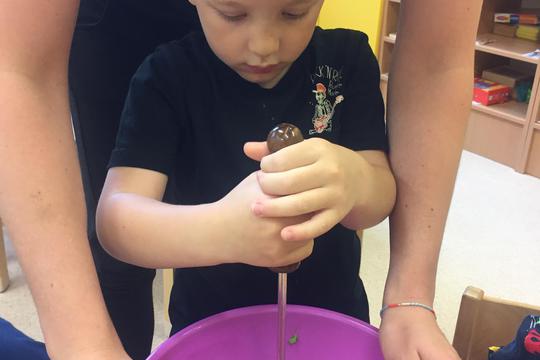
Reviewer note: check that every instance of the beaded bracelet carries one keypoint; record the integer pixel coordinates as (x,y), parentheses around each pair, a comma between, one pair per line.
(423,306)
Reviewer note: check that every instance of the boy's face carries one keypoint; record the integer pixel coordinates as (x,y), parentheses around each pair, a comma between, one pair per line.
(259,39)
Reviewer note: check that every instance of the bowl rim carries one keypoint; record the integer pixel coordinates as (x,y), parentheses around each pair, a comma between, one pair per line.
(165,346)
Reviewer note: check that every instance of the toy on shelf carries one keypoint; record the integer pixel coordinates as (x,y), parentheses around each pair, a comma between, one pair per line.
(525,26)
(489,93)
(528,32)
(519,81)
(513,18)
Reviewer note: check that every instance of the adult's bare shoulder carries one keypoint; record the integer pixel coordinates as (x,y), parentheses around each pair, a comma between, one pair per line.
(35,36)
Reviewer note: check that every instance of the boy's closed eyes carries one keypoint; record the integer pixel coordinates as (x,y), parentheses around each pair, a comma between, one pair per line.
(258,39)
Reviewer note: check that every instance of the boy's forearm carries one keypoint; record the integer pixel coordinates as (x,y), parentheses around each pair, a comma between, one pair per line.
(179,236)
(426,135)
(42,205)
(376,194)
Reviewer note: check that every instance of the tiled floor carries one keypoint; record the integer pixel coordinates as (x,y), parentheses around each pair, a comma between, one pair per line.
(492,241)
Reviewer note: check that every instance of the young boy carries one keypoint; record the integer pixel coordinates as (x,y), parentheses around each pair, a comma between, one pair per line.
(180,193)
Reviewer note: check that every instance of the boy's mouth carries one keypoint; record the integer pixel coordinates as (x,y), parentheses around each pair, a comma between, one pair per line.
(259,69)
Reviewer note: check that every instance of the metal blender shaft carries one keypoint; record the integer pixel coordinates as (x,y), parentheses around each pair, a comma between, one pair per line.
(282,136)
(282,310)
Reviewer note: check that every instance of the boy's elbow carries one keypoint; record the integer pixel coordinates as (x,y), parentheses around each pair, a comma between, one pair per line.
(107,218)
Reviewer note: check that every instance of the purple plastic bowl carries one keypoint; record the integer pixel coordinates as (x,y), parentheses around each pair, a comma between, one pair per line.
(250,333)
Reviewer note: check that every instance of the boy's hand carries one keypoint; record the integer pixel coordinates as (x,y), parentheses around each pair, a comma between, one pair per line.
(256,240)
(314,178)
(412,333)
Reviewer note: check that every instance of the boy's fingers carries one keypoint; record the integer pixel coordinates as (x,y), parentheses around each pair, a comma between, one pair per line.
(318,225)
(291,181)
(303,203)
(256,150)
(299,254)
(290,157)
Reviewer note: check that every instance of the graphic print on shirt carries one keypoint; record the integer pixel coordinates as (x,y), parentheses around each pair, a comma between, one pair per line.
(324,108)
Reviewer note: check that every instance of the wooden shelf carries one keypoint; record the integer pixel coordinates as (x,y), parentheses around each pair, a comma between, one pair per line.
(513,48)
(513,111)
(508,133)
(532,165)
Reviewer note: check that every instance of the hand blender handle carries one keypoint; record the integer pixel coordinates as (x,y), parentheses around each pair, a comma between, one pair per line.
(279,137)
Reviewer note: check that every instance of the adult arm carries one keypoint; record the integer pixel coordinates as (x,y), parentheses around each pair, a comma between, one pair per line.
(41,196)
(435,50)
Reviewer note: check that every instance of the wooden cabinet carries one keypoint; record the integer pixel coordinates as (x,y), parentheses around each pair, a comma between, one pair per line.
(530,161)
(508,133)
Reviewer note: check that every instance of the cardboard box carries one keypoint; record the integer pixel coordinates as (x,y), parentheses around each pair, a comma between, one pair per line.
(488,92)
(505,29)
(506,75)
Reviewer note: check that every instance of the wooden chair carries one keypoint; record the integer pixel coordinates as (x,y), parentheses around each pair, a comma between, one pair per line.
(485,321)
(4,276)
(168,279)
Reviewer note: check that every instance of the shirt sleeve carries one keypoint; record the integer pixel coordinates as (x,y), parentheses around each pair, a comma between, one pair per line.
(363,126)
(149,131)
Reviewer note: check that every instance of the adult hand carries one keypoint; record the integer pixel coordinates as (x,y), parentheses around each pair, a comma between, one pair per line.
(413,333)
(256,240)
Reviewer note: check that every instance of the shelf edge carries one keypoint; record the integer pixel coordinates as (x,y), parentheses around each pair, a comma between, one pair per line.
(499,114)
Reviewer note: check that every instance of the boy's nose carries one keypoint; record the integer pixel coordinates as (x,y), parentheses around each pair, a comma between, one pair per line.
(263,45)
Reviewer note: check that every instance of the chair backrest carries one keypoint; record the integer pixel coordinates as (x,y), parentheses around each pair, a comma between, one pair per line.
(485,321)
(4,275)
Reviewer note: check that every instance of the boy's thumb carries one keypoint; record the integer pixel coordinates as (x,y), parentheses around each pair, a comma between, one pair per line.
(256,150)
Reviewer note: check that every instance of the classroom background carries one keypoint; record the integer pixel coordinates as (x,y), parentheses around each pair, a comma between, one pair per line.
(492,237)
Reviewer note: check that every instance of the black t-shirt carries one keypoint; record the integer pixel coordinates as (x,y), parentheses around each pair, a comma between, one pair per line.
(93,12)
(187,115)
(111,39)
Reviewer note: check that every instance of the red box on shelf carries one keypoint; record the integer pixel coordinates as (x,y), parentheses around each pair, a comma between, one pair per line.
(488,92)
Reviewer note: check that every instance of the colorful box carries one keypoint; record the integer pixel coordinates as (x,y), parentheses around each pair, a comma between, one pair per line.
(506,18)
(512,18)
(528,32)
(528,19)
(506,75)
(488,92)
